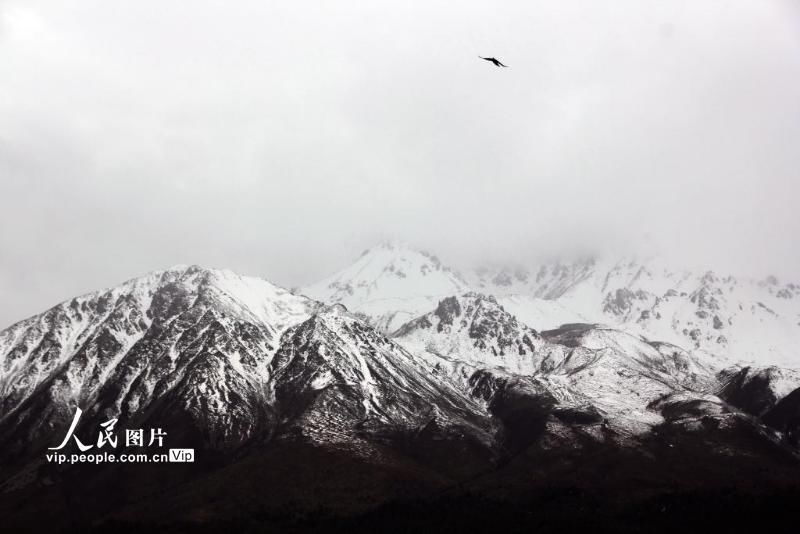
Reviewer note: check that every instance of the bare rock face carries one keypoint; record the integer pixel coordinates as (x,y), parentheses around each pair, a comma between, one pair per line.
(447,311)
(475,330)
(621,301)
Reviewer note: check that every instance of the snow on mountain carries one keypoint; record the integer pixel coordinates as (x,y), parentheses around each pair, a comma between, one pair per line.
(337,379)
(471,329)
(740,319)
(241,366)
(553,280)
(221,360)
(541,313)
(186,340)
(725,317)
(618,373)
(624,373)
(390,284)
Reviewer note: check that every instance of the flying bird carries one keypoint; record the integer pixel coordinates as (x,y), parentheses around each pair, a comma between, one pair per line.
(493,60)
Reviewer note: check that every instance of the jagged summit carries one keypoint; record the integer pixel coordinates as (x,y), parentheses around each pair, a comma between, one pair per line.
(471,329)
(251,291)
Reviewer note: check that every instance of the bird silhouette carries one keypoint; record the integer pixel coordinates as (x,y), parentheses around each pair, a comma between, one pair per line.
(493,60)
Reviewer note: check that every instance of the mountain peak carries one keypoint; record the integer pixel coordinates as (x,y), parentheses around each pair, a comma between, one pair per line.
(391,283)
(474,329)
(200,338)
(336,377)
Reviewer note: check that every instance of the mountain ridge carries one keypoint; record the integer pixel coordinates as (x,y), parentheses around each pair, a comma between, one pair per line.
(739,319)
(283,397)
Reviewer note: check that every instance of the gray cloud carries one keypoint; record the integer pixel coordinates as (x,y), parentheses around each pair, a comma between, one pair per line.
(279,139)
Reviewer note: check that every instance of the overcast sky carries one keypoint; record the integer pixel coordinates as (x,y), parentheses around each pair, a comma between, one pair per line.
(281,138)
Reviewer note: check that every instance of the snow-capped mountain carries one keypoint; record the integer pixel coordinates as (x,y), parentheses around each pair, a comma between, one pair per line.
(223,359)
(187,341)
(741,319)
(391,284)
(616,373)
(736,319)
(292,393)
